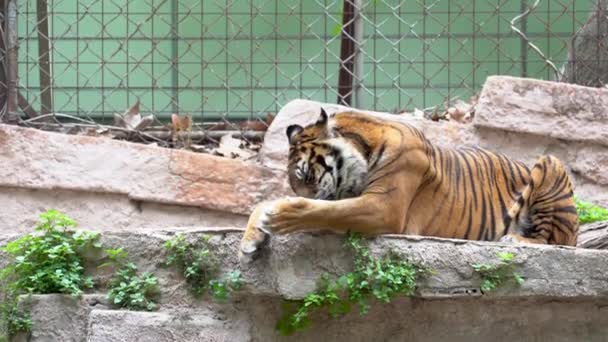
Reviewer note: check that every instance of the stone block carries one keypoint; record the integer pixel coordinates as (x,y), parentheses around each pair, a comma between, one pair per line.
(127,326)
(559,110)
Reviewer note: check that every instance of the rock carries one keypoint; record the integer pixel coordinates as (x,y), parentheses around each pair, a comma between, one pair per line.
(57,317)
(35,159)
(558,110)
(593,235)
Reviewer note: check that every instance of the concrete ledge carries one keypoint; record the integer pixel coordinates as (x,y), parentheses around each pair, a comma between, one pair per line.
(35,159)
(291,265)
(553,109)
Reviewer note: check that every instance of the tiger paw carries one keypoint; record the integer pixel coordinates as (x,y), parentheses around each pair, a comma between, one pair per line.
(256,234)
(251,246)
(509,238)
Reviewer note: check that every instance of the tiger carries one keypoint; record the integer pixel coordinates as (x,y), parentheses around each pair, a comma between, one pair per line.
(355,172)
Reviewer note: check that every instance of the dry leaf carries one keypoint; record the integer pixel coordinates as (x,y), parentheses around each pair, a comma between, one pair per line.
(200,148)
(181,123)
(232,148)
(131,119)
(461,111)
(255,147)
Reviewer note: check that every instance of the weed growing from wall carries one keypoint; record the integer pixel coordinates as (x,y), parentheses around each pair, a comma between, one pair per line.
(13,319)
(494,276)
(372,278)
(129,289)
(51,261)
(200,267)
(47,262)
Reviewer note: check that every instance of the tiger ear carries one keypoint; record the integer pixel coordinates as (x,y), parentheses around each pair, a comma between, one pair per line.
(322,120)
(292,131)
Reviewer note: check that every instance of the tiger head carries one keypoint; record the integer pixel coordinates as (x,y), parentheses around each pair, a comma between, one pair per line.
(323,164)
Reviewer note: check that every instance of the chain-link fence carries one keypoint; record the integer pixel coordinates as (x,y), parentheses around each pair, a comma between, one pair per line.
(233,60)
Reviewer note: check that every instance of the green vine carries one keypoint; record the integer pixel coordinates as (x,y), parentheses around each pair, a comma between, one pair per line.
(200,267)
(494,276)
(382,279)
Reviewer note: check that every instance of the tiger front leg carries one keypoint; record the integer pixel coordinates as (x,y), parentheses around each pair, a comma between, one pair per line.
(367,214)
(260,225)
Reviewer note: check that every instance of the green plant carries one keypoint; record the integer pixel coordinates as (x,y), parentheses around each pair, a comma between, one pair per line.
(127,288)
(51,262)
(14,319)
(589,212)
(47,262)
(497,275)
(200,267)
(382,279)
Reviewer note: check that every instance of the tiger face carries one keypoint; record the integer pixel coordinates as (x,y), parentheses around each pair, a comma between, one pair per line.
(322,164)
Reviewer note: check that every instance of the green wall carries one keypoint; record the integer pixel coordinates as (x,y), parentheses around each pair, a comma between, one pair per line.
(242,58)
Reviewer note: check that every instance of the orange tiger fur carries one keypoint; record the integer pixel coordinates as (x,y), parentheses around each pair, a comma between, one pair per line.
(356,172)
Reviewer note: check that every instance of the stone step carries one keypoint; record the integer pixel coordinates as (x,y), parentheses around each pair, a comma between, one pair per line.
(125,326)
(61,318)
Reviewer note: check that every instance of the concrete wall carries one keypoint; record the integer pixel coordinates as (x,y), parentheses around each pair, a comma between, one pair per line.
(564,296)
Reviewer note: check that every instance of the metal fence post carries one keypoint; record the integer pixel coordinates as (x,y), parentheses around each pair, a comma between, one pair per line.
(44,52)
(347,52)
(358,72)
(12,81)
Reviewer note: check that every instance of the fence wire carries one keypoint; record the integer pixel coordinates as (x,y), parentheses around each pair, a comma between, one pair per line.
(231,60)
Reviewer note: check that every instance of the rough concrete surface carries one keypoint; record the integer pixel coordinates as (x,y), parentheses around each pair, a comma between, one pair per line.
(57,318)
(450,320)
(115,326)
(559,110)
(103,212)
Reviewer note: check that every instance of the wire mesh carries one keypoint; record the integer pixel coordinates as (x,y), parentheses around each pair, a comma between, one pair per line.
(234,60)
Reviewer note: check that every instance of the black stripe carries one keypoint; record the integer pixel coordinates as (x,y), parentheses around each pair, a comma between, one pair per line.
(378,155)
(474,190)
(359,140)
(482,224)
(519,174)
(557,187)
(464,191)
(466,235)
